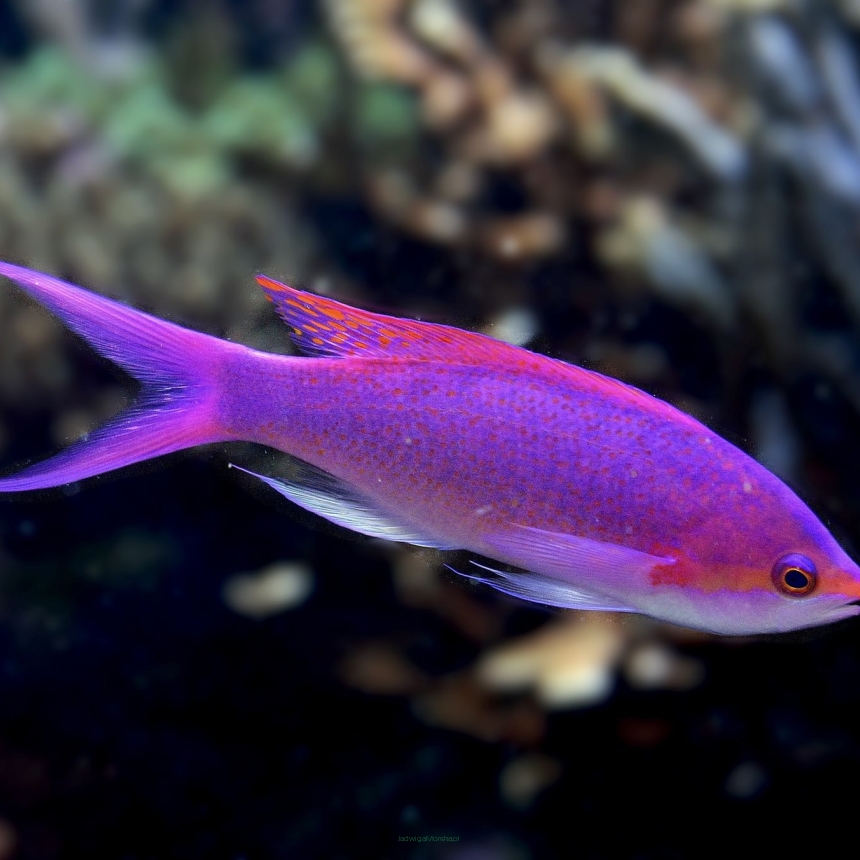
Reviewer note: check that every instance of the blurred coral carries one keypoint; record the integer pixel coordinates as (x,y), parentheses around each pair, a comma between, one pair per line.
(269,591)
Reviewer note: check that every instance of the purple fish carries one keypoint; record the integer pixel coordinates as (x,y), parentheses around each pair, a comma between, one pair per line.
(608,497)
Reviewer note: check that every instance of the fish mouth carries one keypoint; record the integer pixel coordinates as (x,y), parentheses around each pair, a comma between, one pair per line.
(841,611)
(845,610)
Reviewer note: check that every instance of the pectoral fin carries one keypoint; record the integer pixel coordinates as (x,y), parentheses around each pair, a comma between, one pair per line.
(572,571)
(576,559)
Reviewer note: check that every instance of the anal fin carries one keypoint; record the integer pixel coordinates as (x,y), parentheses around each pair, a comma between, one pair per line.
(338,502)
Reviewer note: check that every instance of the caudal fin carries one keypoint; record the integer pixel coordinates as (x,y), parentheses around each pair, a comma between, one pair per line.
(178,370)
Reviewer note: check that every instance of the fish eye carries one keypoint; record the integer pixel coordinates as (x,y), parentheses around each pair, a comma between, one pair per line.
(795,575)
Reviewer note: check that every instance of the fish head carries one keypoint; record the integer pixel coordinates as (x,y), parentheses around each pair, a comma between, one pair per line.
(773,570)
(798,590)
(813,592)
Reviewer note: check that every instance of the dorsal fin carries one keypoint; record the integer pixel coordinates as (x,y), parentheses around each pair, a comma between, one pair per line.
(323,326)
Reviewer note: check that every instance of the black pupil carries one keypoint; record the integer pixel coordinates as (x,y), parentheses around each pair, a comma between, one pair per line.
(795,578)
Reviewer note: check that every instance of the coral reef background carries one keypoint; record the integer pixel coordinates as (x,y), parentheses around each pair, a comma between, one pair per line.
(667,191)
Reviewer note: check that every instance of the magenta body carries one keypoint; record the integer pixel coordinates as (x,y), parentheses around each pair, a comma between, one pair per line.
(605,496)
(465,450)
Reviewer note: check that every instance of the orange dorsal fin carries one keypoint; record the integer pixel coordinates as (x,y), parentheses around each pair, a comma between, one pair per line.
(323,326)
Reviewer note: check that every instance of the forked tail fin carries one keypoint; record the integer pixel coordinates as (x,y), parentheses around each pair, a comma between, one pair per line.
(178,370)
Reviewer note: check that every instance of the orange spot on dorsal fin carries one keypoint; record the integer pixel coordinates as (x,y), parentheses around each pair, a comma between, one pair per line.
(323,326)
(360,333)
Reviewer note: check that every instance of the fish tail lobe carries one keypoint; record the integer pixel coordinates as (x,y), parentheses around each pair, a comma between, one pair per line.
(179,371)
